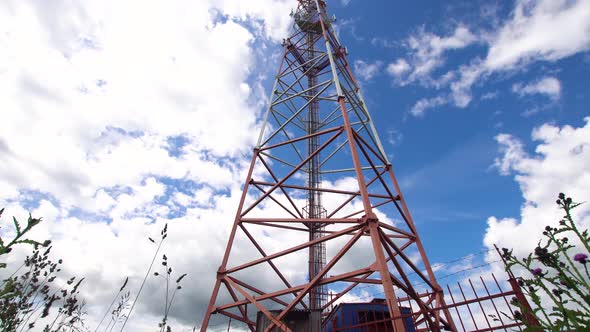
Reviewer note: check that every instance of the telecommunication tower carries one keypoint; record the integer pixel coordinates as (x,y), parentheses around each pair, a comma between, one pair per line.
(320,196)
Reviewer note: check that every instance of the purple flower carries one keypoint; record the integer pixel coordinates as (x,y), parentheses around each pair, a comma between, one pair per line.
(581,258)
(536,271)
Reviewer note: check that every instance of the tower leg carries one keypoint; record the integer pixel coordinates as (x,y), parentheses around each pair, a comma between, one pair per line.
(440,301)
(369,217)
(211,306)
(221,271)
(394,311)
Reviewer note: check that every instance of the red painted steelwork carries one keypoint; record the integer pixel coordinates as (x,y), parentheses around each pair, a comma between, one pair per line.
(319,169)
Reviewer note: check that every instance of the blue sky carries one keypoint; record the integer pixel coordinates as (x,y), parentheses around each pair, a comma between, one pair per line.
(117,120)
(445,159)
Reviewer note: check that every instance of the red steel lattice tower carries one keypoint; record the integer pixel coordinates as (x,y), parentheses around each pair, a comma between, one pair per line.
(321,213)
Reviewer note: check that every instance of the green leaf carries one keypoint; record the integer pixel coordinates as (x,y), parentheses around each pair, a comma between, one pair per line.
(32,221)
(2,265)
(16,225)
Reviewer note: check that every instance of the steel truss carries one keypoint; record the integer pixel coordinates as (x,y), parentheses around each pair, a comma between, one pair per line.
(317,124)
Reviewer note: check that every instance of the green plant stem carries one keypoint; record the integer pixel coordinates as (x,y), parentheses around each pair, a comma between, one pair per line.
(553,298)
(166,305)
(31,222)
(109,324)
(115,322)
(55,319)
(29,278)
(108,309)
(575,228)
(537,302)
(43,283)
(41,302)
(562,250)
(142,284)
(171,300)
(572,298)
(581,278)
(12,275)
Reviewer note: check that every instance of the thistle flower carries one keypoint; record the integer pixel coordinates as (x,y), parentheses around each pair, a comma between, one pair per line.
(581,258)
(536,271)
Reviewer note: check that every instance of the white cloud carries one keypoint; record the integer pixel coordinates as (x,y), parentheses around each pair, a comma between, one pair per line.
(461,88)
(426,53)
(117,121)
(95,98)
(151,93)
(544,30)
(541,30)
(422,105)
(512,151)
(394,137)
(88,106)
(559,164)
(490,95)
(398,68)
(537,30)
(428,49)
(272,14)
(549,86)
(366,71)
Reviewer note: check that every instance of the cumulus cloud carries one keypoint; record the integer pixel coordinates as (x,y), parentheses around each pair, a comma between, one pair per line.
(116,121)
(549,86)
(273,15)
(541,30)
(512,151)
(366,71)
(426,53)
(559,164)
(398,68)
(544,30)
(103,112)
(424,104)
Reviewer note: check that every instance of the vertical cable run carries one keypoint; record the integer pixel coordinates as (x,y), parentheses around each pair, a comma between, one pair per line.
(309,23)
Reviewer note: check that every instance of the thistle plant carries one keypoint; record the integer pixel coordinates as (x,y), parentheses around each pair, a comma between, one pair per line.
(32,300)
(30,297)
(556,276)
(6,247)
